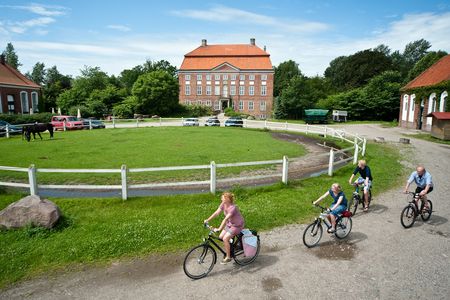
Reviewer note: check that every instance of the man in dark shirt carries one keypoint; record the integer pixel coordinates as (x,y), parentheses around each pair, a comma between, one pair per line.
(366,179)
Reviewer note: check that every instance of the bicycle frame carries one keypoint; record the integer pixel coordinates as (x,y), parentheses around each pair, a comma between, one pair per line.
(413,201)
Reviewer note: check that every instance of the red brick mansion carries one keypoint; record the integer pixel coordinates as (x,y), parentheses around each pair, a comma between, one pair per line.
(238,76)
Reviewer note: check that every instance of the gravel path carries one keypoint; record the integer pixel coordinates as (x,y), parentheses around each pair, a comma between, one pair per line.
(379,260)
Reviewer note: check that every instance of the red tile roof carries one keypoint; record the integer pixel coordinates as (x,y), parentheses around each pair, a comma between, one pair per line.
(241,56)
(440,115)
(438,72)
(10,76)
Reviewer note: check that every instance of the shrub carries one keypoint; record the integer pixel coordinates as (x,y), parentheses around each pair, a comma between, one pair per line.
(25,119)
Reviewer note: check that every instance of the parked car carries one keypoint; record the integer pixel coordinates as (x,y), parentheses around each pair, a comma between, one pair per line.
(70,122)
(13,129)
(96,124)
(190,122)
(212,122)
(234,122)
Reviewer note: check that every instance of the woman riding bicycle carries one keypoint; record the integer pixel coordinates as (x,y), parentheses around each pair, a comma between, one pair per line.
(338,206)
(232,224)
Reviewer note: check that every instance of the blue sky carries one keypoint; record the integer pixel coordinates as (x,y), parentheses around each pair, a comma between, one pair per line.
(116,35)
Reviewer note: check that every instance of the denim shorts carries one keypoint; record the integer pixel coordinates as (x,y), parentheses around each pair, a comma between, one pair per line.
(338,210)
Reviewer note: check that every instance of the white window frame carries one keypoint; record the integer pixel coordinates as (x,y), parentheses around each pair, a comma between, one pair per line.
(208,76)
(263,77)
(241,90)
(208,90)
(405,107)
(241,77)
(187,90)
(217,90)
(233,77)
(241,105)
(199,77)
(217,77)
(11,104)
(444,99)
(24,102)
(187,77)
(35,101)
(412,103)
(251,90)
(216,105)
(263,90)
(199,90)
(262,106)
(251,105)
(232,90)
(251,77)
(1,104)
(208,102)
(225,91)
(225,77)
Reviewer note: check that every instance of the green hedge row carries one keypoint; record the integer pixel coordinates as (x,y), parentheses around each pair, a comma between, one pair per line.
(24,119)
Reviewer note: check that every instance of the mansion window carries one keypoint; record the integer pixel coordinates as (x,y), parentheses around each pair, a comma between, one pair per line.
(217,77)
(250,105)
(241,90)
(208,90)
(262,106)
(187,90)
(34,102)
(233,77)
(217,90)
(251,77)
(263,90)
(232,90)
(251,90)
(199,89)
(241,105)
(187,77)
(199,77)
(242,77)
(208,76)
(225,77)
(24,102)
(264,77)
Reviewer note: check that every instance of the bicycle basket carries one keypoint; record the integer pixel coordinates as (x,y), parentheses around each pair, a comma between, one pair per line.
(347,214)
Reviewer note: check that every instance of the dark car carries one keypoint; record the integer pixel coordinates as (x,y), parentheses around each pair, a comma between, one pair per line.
(13,129)
(96,124)
(234,122)
(212,122)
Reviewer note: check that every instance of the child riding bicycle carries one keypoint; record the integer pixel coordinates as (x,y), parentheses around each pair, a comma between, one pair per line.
(338,206)
(365,179)
(232,224)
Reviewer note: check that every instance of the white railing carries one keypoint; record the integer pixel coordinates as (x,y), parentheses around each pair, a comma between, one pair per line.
(359,146)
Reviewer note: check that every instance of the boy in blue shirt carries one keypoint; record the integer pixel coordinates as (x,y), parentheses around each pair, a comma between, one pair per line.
(366,178)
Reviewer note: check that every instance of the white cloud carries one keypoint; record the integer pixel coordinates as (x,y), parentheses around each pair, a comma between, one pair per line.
(222,13)
(21,27)
(40,9)
(121,28)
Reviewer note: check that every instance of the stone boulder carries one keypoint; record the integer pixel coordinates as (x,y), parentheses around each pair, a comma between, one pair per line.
(30,210)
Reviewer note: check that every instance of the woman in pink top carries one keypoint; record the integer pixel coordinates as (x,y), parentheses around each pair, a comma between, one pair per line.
(231,225)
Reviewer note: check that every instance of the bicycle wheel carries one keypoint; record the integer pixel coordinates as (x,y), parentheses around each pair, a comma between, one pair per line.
(408,216)
(312,234)
(199,261)
(354,204)
(343,227)
(241,259)
(426,212)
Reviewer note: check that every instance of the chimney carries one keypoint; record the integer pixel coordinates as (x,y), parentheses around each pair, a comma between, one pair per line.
(252,41)
(204,42)
(2,59)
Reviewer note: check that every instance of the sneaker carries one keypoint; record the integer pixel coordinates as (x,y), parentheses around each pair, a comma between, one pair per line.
(225,261)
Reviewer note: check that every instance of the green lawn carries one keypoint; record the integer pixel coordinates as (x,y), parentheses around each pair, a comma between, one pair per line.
(97,231)
(141,148)
(427,137)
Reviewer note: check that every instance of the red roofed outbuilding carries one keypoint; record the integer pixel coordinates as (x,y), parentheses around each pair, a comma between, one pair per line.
(414,112)
(236,75)
(18,94)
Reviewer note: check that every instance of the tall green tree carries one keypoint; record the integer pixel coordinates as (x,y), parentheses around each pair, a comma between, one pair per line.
(55,83)
(283,74)
(424,63)
(156,93)
(37,74)
(11,57)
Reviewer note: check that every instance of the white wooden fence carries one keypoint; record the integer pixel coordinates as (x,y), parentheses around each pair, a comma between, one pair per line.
(358,145)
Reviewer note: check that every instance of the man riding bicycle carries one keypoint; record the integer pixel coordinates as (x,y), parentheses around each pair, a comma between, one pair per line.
(423,180)
(366,179)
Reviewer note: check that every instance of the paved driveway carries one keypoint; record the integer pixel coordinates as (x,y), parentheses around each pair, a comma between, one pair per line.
(379,260)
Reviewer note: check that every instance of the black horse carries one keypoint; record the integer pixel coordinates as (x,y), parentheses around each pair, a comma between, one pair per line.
(27,130)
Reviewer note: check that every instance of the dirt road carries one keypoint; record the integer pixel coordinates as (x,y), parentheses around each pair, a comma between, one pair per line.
(379,260)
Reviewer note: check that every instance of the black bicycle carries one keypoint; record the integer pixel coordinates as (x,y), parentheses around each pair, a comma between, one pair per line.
(411,211)
(200,260)
(358,198)
(313,232)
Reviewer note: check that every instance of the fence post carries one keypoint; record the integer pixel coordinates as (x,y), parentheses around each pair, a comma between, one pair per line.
(7,131)
(32,180)
(285,126)
(330,164)
(284,176)
(114,122)
(212,185)
(355,155)
(90,124)
(137,122)
(326,129)
(64,124)
(160,122)
(306,128)
(123,173)
(363,153)
(265,124)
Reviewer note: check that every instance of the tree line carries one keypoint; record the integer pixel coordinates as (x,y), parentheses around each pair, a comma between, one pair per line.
(366,84)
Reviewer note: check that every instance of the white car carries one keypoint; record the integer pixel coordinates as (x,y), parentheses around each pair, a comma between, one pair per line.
(190,122)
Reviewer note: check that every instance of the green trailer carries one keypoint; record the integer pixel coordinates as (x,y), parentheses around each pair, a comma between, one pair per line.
(316,115)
